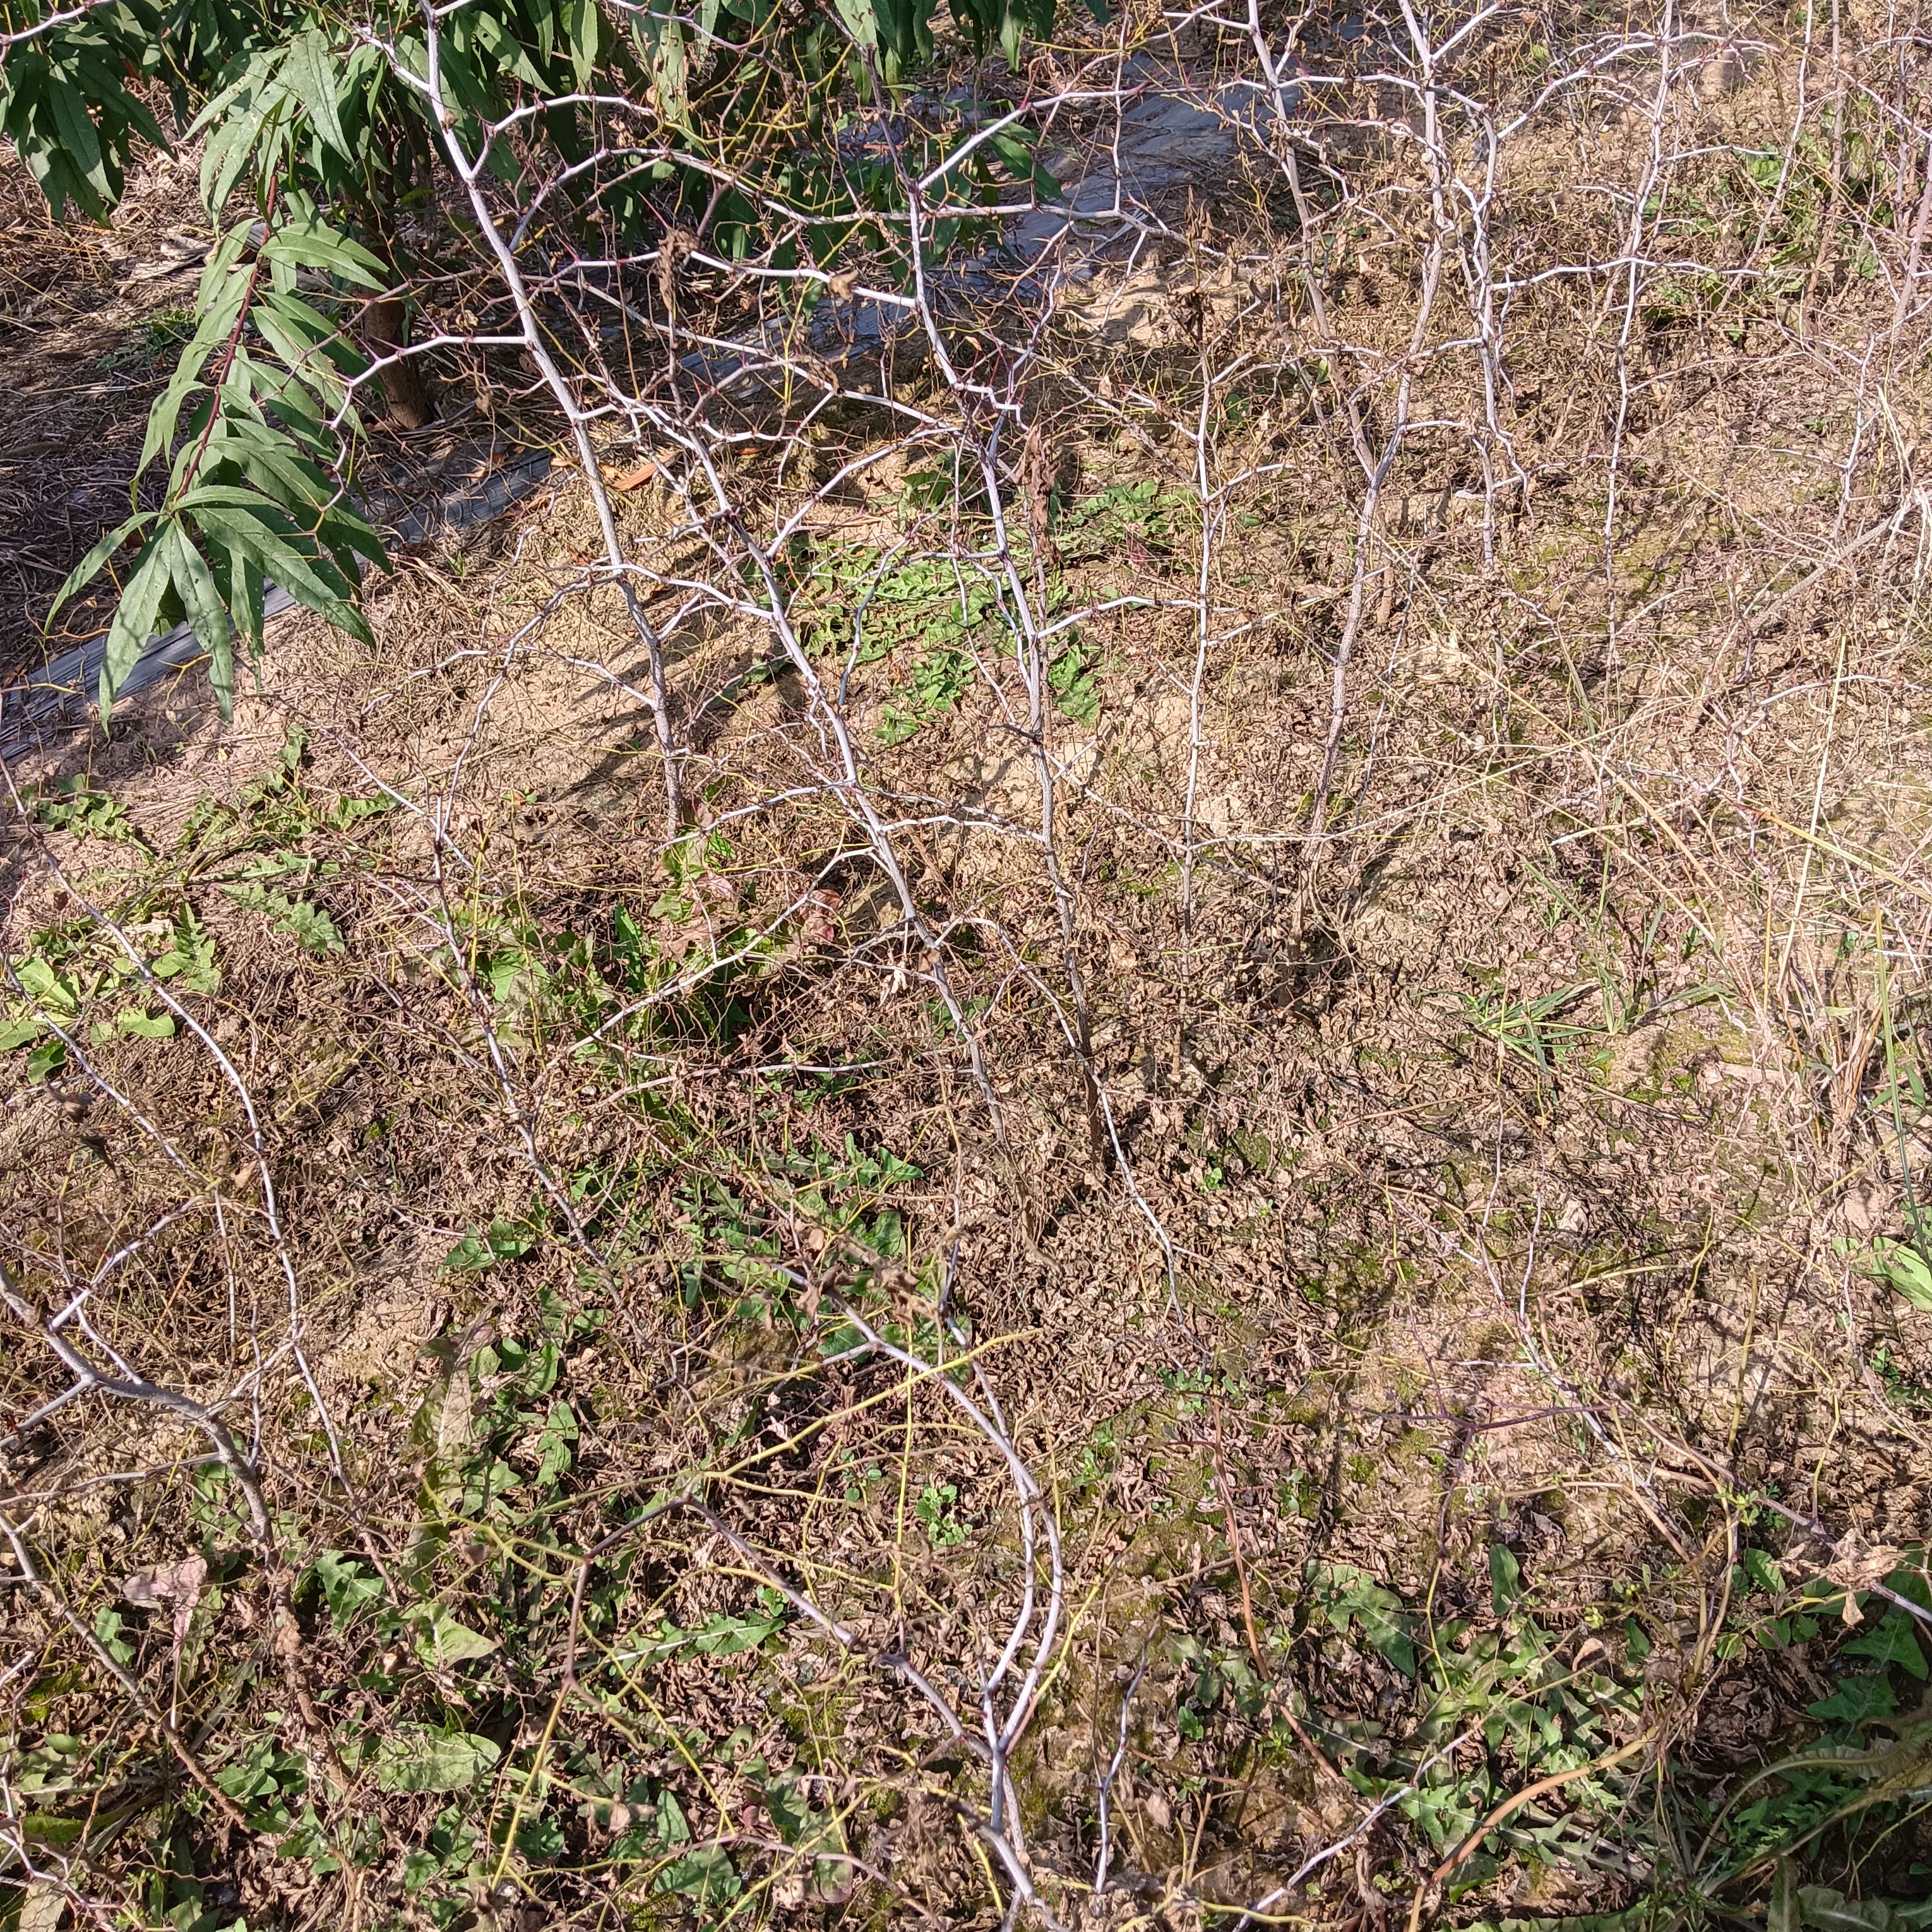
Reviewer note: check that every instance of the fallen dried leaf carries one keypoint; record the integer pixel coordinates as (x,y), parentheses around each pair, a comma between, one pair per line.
(1865,1209)
(41,1909)
(167,1583)
(1858,1569)
(176,1583)
(630,479)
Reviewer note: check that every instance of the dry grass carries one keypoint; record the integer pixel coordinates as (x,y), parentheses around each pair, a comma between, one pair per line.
(1284,1342)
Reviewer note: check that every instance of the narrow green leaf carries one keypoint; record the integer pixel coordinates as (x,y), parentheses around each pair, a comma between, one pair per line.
(275,470)
(314,244)
(220,301)
(223,259)
(165,416)
(80,141)
(133,623)
(249,522)
(581,20)
(244,597)
(349,536)
(308,73)
(90,566)
(1905,1268)
(502,49)
(221,104)
(308,341)
(206,613)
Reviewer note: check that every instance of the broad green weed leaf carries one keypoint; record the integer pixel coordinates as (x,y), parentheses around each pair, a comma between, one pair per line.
(190,958)
(307,923)
(72,807)
(1353,1595)
(860,21)
(725,1636)
(440,1640)
(345,1588)
(421,1760)
(108,1625)
(1827,1910)
(540,1841)
(46,1059)
(673,1829)
(41,981)
(807,1829)
(1782,1913)
(1910,1580)
(1895,1639)
(503,1241)
(560,1433)
(720,1636)
(1070,677)
(1858,1700)
(705,1875)
(1505,1579)
(1905,1267)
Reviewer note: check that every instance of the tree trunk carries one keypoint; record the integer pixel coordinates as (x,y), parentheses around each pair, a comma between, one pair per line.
(385,329)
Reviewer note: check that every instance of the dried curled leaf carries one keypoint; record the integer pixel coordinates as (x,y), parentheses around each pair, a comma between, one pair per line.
(176,1584)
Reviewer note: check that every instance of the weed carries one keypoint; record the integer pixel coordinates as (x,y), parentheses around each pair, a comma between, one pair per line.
(1527,1029)
(596,1334)
(1071,678)
(165,329)
(73,980)
(306,924)
(1905,1393)
(1503,1680)
(1137,520)
(858,600)
(940,677)
(937,1515)
(75,976)
(73,805)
